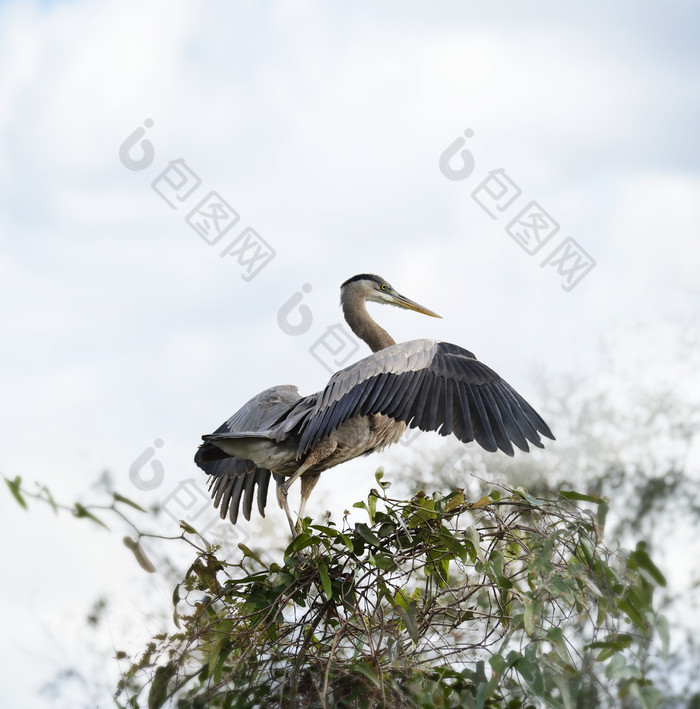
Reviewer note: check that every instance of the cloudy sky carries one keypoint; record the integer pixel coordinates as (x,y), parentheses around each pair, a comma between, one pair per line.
(331,139)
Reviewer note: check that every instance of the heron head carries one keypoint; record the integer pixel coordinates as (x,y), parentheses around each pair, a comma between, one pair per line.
(374,288)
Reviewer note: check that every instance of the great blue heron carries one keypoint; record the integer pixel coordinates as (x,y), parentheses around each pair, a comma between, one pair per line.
(434,386)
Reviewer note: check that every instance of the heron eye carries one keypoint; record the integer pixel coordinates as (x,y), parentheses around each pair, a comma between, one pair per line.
(383,286)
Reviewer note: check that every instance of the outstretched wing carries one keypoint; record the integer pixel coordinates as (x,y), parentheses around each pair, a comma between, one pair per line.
(236,479)
(434,386)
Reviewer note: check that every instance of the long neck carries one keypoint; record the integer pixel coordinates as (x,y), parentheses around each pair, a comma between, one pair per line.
(363,326)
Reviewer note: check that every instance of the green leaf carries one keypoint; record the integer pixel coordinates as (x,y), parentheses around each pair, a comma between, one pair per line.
(528,668)
(640,559)
(325,581)
(226,647)
(618,669)
(249,552)
(613,643)
(565,588)
(378,476)
(472,535)
(556,637)
(368,535)
(82,512)
(497,561)
(136,549)
(347,541)
(401,598)
(302,541)
(220,647)
(602,516)
(632,612)
(456,500)
(372,507)
(176,600)
(530,615)
(188,528)
(424,513)
(603,605)
(456,547)
(382,562)
(328,531)
(481,696)
(49,498)
(648,697)
(364,669)
(14,486)
(158,694)
(120,498)
(427,503)
(408,616)
(498,664)
(481,502)
(572,495)
(527,496)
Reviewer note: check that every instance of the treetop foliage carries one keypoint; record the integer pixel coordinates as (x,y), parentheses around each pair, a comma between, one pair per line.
(506,601)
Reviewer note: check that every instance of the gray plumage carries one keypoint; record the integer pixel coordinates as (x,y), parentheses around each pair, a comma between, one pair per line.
(434,386)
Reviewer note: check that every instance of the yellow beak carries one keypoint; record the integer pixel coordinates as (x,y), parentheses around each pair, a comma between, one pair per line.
(404,302)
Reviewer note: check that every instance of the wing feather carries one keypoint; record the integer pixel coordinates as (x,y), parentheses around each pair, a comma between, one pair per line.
(419,403)
(392,394)
(482,428)
(515,433)
(235,498)
(429,419)
(379,392)
(447,411)
(220,489)
(462,422)
(248,494)
(401,410)
(434,386)
(262,493)
(497,419)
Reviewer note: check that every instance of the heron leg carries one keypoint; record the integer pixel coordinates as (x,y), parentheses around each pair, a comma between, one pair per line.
(308,483)
(316,455)
(282,499)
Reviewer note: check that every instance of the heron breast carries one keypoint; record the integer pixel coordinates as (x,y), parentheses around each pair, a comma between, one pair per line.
(385,430)
(361,435)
